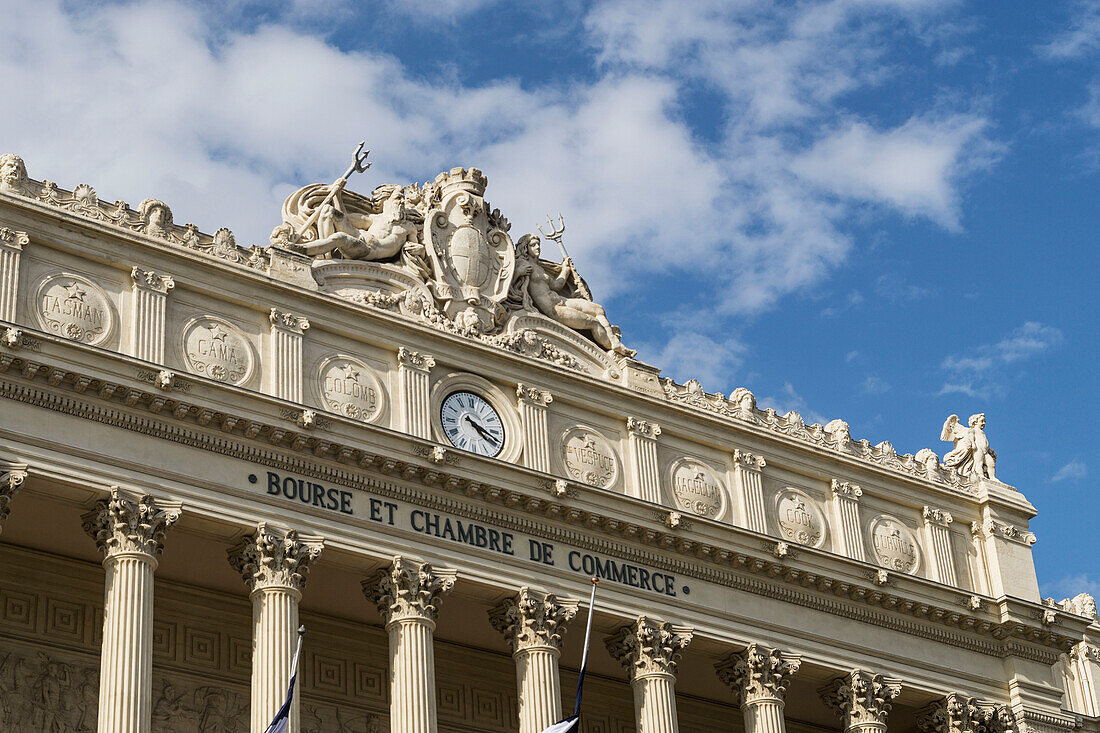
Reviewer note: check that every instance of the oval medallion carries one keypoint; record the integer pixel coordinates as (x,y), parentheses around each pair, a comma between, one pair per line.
(799,518)
(217,349)
(894,545)
(75,308)
(697,489)
(348,387)
(589,457)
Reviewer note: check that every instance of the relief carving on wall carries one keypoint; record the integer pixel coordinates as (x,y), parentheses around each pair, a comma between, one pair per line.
(75,308)
(696,488)
(799,518)
(350,388)
(589,457)
(894,545)
(217,349)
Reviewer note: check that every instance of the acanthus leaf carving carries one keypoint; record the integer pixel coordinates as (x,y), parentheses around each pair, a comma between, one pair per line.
(125,523)
(861,697)
(649,646)
(12,477)
(275,558)
(408,589)
(533,619)
(758,673)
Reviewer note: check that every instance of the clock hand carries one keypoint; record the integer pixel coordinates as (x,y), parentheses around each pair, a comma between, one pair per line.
(482,431)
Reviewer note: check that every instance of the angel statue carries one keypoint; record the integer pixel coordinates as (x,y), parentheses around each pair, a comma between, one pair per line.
(552,290)
(971,455)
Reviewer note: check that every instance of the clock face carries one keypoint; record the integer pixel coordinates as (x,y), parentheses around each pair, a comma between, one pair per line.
(471,423)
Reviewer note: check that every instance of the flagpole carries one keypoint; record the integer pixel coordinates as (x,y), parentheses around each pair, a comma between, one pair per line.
(587,638)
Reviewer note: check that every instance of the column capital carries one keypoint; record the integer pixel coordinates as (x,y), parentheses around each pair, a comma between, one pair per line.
(861,697)
(758,673)
(640,428)
(955,713)
(415,360)
(149,280)
(288,321)
(742,459)
(941,517)
(649,646)
(13,239)
(533,395)
(408,589)
(533,619)
(847,489)
(275,558)
(12,476)
(128,523)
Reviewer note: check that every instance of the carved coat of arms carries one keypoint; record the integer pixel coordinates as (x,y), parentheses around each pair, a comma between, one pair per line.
(472,255)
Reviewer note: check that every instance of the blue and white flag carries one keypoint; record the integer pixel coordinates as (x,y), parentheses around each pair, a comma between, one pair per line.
(572,724)
(282,718)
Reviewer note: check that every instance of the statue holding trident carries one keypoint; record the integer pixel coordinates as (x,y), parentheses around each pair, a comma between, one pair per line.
(332,222)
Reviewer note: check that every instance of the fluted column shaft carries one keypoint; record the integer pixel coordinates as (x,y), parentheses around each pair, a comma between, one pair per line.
(408,595)
(764,716)
(534,622)
(130,532)
(937,523)
(11,249)
(274,563)
(148,314)
(412,383)
(287,341)
(846,511)
(649,649)
(747,469)
(644,469)
(532,414)
(758,678)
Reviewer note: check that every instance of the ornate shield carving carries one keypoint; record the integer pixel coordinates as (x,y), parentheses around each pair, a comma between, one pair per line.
(472,259)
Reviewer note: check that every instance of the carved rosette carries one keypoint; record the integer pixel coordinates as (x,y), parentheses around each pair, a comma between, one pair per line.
(955,713)
(758,673)
(125,524)
(415,360)
(860,698)
(275,558)
(409,590)
(11,478)
(532,619)
(649,646)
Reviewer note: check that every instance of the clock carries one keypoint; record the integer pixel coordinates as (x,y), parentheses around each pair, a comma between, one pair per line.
(471,423)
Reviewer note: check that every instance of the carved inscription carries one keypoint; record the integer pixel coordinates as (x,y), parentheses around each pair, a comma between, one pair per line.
(894,545)
(697,489)
(73,307)
(799,518)
(217,349)
(589,457)
(349,388)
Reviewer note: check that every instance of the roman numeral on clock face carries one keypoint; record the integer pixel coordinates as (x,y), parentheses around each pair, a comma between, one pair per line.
(471,423)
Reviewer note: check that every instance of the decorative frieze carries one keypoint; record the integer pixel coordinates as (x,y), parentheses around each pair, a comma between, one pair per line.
(12,476)
(533,619)
(862,700)
(272,557)
(408,589)
(758,673)
(128,524)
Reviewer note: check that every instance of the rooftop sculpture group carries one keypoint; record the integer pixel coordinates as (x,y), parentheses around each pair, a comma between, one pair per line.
(438,253)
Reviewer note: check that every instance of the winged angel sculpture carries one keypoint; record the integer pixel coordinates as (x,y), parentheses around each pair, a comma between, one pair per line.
(445,254)
(971,455)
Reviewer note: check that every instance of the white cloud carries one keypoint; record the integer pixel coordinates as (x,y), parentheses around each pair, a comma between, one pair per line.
(1072,471)
(692,355)
(875,385)
(1081,37)
(983,372)
(789,399)
(1070,585)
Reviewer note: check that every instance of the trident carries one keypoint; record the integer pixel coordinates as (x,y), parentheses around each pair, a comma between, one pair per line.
(359,164)
(556,233)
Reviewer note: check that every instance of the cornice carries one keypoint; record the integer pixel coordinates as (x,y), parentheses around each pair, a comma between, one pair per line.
(690,400)
(1005,627)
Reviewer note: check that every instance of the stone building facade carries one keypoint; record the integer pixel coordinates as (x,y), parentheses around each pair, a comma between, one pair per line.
(419,438)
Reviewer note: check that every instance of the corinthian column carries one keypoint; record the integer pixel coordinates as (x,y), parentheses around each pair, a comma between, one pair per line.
(533,623)
(959,713)
(747,474)
(287,338)
(862,700)
(649,650)
(274,564)
(758,678)
(130,532)
(12,476)
(408,594)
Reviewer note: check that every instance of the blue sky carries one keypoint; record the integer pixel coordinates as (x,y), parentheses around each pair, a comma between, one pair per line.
(880,210)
